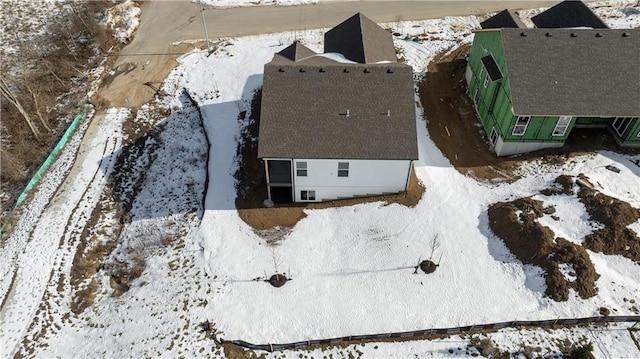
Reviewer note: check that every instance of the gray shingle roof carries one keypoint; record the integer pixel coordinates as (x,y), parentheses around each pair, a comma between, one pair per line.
(505,18)
(361,40)
(583,72)
(296,51)
(303,114)
(570,13)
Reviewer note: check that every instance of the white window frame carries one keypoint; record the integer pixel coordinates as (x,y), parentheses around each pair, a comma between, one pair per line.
(308,195)
(517,127)
(476,97)
(301,169)
(486,81)
(343,169)
(562,125)
(493,137)
(481,70)
(620,120)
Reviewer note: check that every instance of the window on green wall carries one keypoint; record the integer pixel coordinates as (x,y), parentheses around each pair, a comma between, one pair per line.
(562,125)
(486,81)
(493,136)
(521,125)
(621,124)
(481,70)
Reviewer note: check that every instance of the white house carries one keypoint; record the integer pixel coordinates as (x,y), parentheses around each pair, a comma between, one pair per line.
(338,124)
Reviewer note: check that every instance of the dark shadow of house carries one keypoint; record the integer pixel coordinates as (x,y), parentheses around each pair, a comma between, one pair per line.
(160,173)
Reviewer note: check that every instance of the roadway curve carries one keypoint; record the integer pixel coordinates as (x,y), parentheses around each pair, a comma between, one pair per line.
(163,23)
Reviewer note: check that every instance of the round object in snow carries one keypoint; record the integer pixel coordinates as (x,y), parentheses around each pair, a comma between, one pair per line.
(428,266)
(278,280)
(268,203)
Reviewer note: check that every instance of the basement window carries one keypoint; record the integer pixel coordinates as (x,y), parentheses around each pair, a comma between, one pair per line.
(343,169)
(308,195)
(493,137)
(621,124)
(301,169)
(521,125)
(562,125)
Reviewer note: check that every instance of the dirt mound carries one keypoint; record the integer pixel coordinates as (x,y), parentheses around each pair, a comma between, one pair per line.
(616,215)
(515,223)
(563,184)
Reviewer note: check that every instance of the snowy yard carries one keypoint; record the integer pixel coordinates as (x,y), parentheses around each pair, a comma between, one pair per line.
(352,268)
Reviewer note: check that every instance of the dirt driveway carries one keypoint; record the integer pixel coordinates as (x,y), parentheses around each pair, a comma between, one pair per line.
(152,53)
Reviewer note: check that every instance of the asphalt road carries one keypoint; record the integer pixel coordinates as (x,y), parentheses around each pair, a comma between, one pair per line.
(164,23)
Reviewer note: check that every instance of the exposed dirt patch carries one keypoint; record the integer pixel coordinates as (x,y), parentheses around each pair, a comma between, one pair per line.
(457,131)
(516,224)
(252,184)
(563,184)
(428,266)
(616,237)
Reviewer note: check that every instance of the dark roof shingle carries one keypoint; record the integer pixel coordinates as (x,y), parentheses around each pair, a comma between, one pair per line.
(583,72)
(304,114)
(361,40)
(505,18)
(296,52)
(569,13)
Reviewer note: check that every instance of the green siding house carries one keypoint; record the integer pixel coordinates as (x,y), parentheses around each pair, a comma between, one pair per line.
(531,87)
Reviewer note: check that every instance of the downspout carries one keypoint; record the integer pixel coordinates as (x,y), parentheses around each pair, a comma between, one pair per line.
(406,185)
(293,182)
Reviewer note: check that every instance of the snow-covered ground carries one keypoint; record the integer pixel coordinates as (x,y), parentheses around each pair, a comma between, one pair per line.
(347,281)
(351,267)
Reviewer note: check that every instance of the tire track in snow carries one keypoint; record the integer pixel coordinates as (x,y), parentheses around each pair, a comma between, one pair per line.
(58,294)
(36,262)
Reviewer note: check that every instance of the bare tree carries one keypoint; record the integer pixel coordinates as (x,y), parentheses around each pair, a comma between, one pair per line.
(11,97)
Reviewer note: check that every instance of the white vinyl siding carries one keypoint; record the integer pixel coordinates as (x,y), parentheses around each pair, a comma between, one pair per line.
(521,125)
(365,178)
(562,125)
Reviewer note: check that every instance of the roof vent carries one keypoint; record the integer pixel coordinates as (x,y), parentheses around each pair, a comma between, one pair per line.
(625,34)
(281,70)
(388,114)
(322,70)
(548,34)
(598,34)
(573,34)
(389,71)
(346,71)
(347,113)
(302,70)
(366,71)
(523,34)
